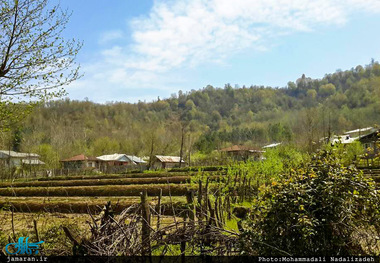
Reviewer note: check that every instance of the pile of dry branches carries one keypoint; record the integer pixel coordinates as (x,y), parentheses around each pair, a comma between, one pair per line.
(131,234)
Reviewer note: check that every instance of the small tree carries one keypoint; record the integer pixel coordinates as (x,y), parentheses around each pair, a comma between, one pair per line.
(35,60)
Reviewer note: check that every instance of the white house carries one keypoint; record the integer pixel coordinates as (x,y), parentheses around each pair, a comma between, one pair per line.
(17,159)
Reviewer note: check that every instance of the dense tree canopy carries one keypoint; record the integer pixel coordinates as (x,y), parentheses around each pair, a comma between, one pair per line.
(301,113)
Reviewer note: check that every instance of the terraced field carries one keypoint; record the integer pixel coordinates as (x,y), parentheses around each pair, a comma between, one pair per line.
(83,194)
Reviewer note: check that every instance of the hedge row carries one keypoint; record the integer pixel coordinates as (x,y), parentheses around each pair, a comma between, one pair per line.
(93,182)
(114,176)
(109,190)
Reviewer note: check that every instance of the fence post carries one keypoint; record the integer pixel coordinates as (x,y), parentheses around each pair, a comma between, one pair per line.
(190,203)
(145,237)
(36,230)
(206,201)
(199,208)
(159,210)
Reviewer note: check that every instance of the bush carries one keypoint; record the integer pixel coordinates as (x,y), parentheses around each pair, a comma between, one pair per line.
(324,209)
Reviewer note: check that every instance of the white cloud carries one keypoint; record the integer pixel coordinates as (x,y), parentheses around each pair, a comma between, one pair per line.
(110,36)
(188,33)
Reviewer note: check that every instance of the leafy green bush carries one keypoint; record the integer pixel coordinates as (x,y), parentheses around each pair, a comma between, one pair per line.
(348,153)
(324,209)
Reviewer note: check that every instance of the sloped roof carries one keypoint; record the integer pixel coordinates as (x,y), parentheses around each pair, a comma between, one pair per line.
(169,159)
(80,157)
(237,148)
(272,145)
(367,130)
(135,159)
(18,154)
(114,157)
(371,136)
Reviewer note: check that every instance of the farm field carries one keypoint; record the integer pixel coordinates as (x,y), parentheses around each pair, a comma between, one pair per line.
(80,194)
(49,227)
(72,201)
(48,205)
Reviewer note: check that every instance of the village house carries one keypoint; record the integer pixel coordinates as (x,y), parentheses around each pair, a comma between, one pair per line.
(166,162)
(366,136)
(371,142)
(17,159)
(116,159)
(369,138)
(81,162)
(242,153)
(136,160)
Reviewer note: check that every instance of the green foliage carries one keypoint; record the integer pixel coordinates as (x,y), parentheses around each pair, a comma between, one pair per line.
(327,90)
(212,158)
(324,209)
(241,180)
(104,145)
(35,61)
(48,155)
(348,153)
(55,240)
(302,113)
(278,162)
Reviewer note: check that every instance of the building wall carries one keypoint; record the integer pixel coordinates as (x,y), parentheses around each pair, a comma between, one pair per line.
(12,162)
(160,165)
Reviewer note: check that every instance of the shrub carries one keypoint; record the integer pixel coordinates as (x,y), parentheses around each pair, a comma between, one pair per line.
(324,209)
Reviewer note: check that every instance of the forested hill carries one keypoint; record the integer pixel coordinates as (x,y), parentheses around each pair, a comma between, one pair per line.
(301,113)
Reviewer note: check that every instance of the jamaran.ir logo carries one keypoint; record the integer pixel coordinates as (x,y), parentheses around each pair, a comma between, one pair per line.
(22,248)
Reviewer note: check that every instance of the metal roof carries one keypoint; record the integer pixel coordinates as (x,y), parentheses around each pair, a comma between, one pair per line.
(80,157)
(237,148)
(369,129)
(272,145)
(18,154)
(135,159)
(114,157)
(169,159)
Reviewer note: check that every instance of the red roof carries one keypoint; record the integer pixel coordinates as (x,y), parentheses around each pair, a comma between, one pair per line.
(237,148)
(80,157)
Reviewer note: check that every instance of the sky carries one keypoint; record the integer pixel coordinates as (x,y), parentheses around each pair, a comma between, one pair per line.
(141,50)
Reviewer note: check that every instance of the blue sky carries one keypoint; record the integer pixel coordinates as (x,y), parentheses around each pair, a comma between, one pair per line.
(141,50)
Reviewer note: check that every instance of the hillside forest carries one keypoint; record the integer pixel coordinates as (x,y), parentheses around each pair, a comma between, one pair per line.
(205,120)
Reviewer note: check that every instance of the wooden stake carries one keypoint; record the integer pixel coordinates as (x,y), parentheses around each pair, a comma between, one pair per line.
(145,238)
(199,209)
(190,202)
(13,226)
(159,210)
(36,230)
(206,201)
